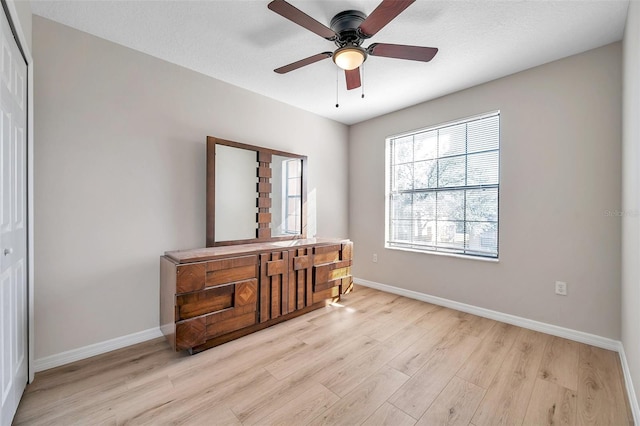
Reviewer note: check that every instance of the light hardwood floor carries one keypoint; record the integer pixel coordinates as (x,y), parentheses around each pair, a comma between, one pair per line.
(375,358)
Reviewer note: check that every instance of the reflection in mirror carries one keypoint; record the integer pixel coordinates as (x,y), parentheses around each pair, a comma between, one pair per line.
(286,206)
(235,193)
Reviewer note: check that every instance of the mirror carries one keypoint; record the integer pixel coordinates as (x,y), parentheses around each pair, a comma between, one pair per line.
(254,194)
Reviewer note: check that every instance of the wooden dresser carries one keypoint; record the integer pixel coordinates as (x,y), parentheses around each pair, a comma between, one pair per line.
(212,295)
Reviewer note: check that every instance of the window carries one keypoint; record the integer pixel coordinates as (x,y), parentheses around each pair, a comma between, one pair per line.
(442,188)
(292,184)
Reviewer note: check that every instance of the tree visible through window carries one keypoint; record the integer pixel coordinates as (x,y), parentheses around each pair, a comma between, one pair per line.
(442,188)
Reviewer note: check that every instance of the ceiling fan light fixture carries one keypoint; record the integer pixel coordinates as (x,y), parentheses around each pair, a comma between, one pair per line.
(349,57)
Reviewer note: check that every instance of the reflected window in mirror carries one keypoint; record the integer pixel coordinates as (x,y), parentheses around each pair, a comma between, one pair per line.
(293,186)
(287,196)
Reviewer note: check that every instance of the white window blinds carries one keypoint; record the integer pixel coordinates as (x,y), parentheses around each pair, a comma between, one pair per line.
(443,188)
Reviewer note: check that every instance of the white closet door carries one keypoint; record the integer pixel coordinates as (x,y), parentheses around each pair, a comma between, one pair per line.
(13,224)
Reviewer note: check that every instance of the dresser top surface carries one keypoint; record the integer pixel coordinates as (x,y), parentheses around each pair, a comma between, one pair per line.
(202,254)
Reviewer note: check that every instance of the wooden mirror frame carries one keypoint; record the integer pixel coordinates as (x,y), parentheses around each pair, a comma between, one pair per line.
(263,188)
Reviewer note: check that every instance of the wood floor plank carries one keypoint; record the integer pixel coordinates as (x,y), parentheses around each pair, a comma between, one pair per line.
(260,401)
(301,409)
(601,399)
(54,420)
(364,400)
(136,400)
(484,363)
(416,355)
(293,327)
(106,405)
(455,405)
(474,325)
(227,368)
(415,396)
(551,404)
(434,316)
(341,323)
(195,411)
(396,315)
(89,377)
(360,307)
(202,415)
(329,347)
(389,415)
(125,360)
(218,395)
(342,380)
(506,400)
(41,404)
(560,363)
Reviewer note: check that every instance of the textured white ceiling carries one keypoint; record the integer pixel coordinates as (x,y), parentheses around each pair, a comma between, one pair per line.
(241,42)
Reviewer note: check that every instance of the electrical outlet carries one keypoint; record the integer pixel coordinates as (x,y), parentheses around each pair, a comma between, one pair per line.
(375,258)
(561,288)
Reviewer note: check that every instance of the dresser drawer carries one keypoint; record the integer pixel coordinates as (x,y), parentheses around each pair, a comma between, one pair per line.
(202,302)
(198,276)
(243,313)
(326,254)
(230,270)
(190,333)
(330,272)
(237,318)
(209,313)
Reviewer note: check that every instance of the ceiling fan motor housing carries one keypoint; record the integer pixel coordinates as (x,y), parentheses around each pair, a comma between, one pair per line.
(345,24)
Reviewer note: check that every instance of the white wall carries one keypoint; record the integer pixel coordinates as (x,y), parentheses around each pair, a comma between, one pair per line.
(560,172)
(120,177)
(630,194)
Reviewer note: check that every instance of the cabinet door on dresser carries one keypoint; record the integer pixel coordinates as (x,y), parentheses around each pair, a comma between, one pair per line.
(300,278)
(332,271)
(274,285)
(215,298)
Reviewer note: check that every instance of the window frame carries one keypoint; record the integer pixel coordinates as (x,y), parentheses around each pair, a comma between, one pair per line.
(464,252)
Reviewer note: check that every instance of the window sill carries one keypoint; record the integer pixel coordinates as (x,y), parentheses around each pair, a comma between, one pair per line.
(440,253)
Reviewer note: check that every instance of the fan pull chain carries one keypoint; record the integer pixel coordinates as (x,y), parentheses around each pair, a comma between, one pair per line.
(362,67)
(337,76)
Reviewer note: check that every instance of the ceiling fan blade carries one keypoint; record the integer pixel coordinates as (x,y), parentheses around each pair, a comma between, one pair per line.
(302,62)
(297,16)
(353,78)
(402,51)
(382,15)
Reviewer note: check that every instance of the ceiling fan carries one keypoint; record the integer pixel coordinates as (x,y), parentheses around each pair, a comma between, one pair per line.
(348,30)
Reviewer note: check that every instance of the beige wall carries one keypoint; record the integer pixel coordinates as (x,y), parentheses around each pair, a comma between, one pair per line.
(120,177)
(560,172)
(630,195)
(23,7)
(235,193)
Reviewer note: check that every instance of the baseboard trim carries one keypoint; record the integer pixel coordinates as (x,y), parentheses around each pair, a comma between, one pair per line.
(631,393)
(567,333)
(73,355)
